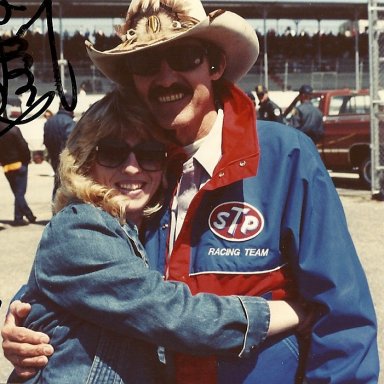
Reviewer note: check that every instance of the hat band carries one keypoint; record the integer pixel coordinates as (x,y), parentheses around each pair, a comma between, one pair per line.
(152,28)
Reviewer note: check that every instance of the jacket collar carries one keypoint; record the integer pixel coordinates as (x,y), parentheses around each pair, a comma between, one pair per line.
(240,145)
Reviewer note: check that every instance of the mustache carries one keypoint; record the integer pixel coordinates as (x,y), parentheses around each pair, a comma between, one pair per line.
(158,91)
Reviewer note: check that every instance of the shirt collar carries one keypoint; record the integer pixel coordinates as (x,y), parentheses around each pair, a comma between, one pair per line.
(207,151)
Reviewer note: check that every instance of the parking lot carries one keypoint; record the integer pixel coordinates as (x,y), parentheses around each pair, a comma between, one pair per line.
(18,245)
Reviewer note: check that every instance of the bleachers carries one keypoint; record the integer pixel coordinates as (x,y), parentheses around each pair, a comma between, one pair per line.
(325,61)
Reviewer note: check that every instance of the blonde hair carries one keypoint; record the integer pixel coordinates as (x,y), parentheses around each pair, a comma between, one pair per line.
(118,114)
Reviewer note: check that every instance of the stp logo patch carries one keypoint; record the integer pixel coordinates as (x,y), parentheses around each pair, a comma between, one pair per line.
(236,221)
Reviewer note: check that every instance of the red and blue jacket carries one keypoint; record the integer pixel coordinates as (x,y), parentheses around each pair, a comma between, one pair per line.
(270,223)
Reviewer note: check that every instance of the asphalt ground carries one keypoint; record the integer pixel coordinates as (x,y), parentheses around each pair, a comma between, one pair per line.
(365,217)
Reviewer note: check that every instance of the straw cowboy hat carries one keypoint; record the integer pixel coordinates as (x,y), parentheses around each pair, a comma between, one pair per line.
(150,23)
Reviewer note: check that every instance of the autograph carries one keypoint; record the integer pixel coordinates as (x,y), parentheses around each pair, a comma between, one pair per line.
(14,49)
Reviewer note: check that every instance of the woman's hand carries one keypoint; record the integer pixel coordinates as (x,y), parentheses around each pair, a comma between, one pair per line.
(27,350)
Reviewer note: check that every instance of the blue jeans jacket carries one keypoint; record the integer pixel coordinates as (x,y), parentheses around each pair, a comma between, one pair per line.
(105,312)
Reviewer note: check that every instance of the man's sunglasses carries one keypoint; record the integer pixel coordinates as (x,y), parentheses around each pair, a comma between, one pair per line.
(150,155)
(181,58)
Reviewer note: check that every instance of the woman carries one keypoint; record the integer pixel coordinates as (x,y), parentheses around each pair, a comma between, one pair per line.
(90,287)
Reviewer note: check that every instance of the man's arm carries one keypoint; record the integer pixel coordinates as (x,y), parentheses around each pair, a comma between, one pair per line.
(343,345)
(259,316)
(27,350)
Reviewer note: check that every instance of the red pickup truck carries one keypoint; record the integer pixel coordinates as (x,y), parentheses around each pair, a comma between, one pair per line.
(345,146)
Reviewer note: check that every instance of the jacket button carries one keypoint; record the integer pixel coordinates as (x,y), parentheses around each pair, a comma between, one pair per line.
(243,163)
(221,174)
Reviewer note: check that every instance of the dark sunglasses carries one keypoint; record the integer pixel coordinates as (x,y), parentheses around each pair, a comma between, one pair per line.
(150,155)
(181,58)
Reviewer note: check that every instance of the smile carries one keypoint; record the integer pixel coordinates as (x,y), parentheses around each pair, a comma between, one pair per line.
(171,98)
(131,186)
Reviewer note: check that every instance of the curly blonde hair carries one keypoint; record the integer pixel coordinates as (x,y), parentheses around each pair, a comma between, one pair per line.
(117,114)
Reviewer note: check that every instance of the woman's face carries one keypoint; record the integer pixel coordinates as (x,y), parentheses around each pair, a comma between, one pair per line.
(134,167)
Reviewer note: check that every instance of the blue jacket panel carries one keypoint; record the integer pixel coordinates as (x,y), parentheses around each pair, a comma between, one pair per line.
(303,230)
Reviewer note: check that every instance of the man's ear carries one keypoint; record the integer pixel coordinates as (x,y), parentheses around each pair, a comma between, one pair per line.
(217,69)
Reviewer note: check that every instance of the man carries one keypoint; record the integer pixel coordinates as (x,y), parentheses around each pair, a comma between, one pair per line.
(254,212)
(306,117)
(56,131)
(15,157)
(268,110)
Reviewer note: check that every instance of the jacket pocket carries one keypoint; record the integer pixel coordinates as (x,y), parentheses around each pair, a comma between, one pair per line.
(276,362)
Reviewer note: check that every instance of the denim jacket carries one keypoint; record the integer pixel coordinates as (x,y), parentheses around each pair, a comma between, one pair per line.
(106,312)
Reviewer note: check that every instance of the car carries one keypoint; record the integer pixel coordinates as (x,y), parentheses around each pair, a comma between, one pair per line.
(346,144)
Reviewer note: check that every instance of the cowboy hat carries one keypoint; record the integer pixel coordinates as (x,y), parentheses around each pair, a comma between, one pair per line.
(150,23)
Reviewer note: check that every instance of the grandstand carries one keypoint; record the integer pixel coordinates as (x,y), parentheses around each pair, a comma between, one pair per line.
(285,62)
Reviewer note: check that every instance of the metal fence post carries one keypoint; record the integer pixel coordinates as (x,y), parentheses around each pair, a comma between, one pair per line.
(376,62)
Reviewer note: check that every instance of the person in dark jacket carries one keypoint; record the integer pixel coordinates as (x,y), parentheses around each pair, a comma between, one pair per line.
(15,157)
(56,131)
(268,110)
(306,117)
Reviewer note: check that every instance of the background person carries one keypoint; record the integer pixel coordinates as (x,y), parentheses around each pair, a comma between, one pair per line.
(15,158)
(255,211)
(47,114)
(56,131)
(268,110)
(39,156)
(252,97)
(90,286)
(306,117)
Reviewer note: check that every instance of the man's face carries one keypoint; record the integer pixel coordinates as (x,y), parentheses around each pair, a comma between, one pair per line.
(180,100)
(304,97)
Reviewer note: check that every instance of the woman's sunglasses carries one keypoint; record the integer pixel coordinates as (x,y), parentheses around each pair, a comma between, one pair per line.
(181,58)
(150,155)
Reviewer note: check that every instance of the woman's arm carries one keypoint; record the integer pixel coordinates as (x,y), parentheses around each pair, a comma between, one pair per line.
(29,350)
(89,269)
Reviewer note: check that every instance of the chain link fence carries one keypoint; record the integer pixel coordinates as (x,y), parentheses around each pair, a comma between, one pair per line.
(376,44)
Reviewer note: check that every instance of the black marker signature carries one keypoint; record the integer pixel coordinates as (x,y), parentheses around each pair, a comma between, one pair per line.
(15,48)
